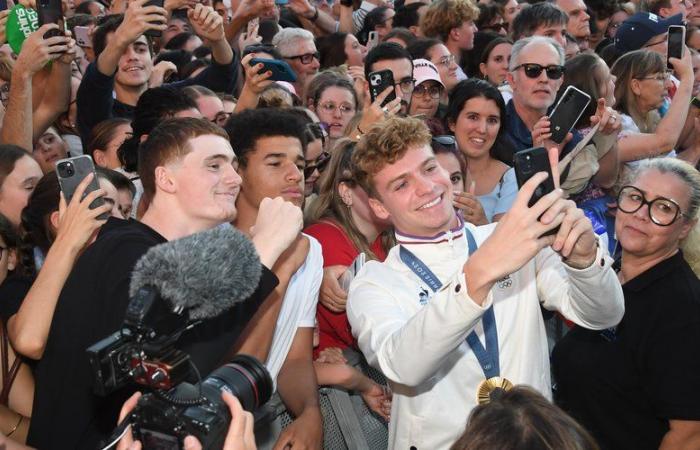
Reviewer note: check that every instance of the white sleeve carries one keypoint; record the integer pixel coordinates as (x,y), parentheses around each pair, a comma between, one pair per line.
(591,297)
(410,347)
(315,272)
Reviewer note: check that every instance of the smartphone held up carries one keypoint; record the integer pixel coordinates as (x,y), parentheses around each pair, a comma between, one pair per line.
(51,11)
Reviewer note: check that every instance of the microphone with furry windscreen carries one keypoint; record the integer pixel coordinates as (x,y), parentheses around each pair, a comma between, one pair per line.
(204,274)
(175,286)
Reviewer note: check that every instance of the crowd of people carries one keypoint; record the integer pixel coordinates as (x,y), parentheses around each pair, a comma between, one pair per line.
(390,224)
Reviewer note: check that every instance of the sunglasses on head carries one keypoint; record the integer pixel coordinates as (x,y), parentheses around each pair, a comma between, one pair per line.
(554,72)
(319,164)
(445,140)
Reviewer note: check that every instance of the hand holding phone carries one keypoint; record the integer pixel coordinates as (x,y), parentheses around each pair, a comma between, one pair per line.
(281,71)
(51,11)
(567,112)
(529,162)
(71,173)
(379,82)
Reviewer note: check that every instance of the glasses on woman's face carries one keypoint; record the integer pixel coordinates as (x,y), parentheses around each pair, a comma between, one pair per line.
(344,108)
(662,211)
(446,61)
(319,164)
(445,140)
(663,77)
(421,90)
(554,72)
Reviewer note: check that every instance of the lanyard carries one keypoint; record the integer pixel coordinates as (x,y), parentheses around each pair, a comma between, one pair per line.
(487,357)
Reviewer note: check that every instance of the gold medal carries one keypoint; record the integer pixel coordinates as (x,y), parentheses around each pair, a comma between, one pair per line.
(487,388)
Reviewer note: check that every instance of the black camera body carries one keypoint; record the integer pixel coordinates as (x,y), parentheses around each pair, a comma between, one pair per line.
(144,349)
(162,420)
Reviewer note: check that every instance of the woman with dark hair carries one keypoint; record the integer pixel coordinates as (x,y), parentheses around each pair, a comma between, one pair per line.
(493,64)
(436,52)
(340,48)
(19,174)
(54,235)
(16,379)
(180,58)
(105,139)
(335,103)
(475,115)
(380,19)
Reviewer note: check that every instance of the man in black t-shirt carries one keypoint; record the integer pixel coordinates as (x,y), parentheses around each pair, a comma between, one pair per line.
(188,171)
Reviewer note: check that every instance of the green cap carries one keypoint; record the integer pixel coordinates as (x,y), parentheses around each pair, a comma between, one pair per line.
(21,22)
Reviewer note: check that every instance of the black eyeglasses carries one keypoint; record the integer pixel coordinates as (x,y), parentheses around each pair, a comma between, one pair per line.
(319,164)
(445,140)
(434,91)
(406,85)
(532,70)
(306,58)
(662,211)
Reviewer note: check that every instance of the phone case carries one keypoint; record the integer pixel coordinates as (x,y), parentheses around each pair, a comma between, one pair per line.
(378,82)
(281,71)
(529,162)
(566,113)
(154,33)
(676,40)
(51,11)
(71,172)
(82,36)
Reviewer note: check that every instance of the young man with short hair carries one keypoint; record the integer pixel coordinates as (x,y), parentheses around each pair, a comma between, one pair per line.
(447,282)
(270,145)
(393,57)
(187,167)
(113,84)
(452,21)
(541,19)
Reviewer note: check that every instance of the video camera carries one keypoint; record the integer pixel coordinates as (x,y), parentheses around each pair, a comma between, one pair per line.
(143,351)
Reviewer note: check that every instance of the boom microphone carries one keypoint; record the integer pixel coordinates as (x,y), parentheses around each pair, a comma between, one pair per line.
(205,273)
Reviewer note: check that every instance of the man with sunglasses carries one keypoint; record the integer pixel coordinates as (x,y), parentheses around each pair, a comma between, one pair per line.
(297,47)
(536,72)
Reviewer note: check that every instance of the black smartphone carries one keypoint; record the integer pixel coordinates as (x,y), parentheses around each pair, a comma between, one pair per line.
(71,172)
(281,71)
(529,162)
(567,112)
(676,40)
(378,82)
(154,33)
(51,11)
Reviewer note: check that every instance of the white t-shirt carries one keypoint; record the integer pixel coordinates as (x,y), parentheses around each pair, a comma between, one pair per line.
(298,307)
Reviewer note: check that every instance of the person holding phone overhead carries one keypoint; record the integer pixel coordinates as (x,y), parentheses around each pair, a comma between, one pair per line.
(421,316)
(476,114)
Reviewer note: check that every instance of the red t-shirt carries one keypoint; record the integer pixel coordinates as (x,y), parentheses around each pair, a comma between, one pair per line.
(338,250)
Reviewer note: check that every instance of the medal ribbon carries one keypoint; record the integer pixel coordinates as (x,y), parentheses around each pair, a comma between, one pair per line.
(487,357)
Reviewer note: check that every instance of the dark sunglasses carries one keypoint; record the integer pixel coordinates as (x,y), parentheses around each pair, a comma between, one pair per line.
(320,164)
(554,72)
(445,140)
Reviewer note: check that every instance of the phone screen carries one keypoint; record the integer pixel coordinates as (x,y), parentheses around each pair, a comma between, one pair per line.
(676,38)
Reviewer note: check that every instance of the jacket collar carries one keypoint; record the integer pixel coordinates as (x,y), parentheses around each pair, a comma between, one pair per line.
(443,236)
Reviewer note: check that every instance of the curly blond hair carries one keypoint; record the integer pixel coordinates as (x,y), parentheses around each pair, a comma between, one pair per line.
(384,144)
(444,15)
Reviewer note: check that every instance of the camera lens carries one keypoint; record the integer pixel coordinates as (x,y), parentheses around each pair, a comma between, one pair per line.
(246,378)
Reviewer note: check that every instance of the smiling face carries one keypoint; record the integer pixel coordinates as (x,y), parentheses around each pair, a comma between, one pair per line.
(477,127)
(205,182)
(17,187)
(135,64)
(641,237)
(495,68)
(535,94)
(415,194)
(274,169)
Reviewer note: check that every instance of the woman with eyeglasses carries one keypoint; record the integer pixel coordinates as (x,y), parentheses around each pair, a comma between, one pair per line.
(634,386)
(642,85)
(335,104)
(343,223)
(425,98)
(475,115)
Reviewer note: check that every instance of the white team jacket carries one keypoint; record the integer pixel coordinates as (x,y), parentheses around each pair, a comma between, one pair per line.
(420,346)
